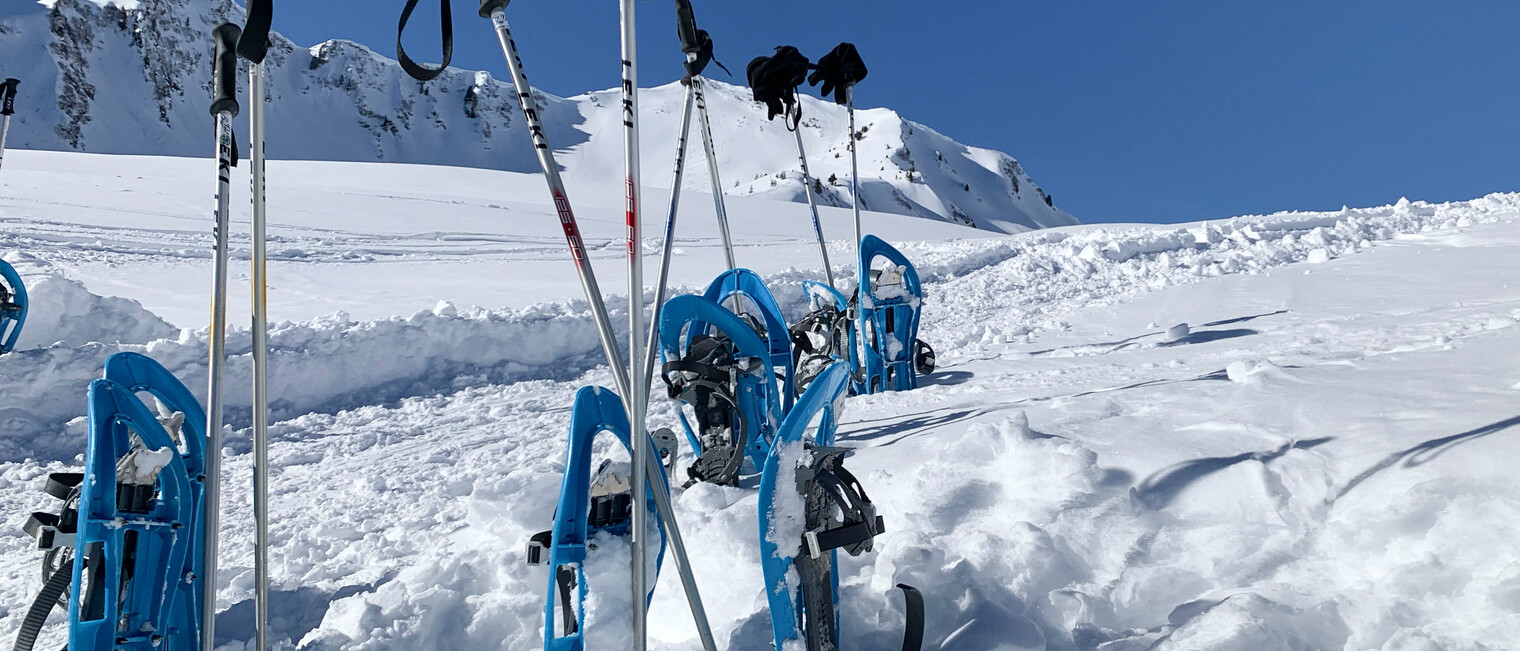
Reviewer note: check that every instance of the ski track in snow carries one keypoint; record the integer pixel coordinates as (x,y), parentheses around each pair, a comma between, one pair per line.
(1320,464)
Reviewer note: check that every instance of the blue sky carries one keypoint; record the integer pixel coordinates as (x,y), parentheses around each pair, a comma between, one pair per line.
(1163,111)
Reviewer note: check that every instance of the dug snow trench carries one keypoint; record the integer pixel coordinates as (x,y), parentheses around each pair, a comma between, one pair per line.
(1321,463)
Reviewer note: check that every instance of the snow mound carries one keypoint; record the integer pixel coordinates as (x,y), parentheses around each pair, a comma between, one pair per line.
(63,312)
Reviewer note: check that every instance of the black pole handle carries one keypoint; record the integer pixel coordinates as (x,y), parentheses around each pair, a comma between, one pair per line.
(224,70)
(686,27)
(414,69)
(488,7)
(8,95)
(254,43)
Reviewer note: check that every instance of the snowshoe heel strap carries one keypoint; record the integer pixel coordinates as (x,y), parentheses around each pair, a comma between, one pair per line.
(37,613)
(913,627)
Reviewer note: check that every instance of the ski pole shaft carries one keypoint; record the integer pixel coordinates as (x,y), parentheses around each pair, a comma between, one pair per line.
(849,95)
(495,10)
(647,371)
(862,273)
(632,191)
(712,173)
(5,130)
(254,46)
(807,188)
(260,360)
(225,106)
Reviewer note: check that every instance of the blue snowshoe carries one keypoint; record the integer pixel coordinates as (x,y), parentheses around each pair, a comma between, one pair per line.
(806,518)
(124,552)
(824,336)
(594,512)
(894,357)
(13,305)
(718,363)
(744,293)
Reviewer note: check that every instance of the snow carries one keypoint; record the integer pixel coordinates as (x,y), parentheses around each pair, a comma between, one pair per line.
(1322,462)
(123,77)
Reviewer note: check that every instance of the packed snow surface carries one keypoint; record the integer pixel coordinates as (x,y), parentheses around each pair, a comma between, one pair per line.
(1323,460)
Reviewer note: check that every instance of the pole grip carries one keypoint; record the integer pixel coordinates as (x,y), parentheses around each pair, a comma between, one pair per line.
(254,43)
(8,96)
(488,7)
(224,69)
(686,27)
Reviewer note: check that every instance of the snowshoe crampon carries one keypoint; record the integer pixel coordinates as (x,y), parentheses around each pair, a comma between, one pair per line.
(129,531)
(13,305)
(719,365)
(889,309)
(811,507)
(588,549)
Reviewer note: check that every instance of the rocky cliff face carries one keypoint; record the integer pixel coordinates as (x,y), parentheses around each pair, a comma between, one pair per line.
(135,78)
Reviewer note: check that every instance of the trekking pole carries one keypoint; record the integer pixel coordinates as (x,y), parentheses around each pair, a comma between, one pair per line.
(807,187)
(225,107)
(7,107)
(254,46)
(712,172)
(697,45)
(864,275)
(632,190)
(647,371)
(496,11)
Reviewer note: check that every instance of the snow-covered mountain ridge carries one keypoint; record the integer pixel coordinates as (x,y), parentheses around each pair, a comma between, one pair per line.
(134,78)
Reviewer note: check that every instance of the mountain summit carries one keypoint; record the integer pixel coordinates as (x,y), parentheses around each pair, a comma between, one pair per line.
(134,78)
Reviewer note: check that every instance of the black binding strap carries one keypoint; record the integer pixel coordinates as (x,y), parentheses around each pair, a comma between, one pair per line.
(254,43)
(859,524)
(8,95)
(37,613)
(913,627)
(423,73)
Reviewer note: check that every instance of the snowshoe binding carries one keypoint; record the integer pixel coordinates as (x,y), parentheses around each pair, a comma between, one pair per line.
(893,356)
(744,293)
(123,552)
(13,305)
(823,336)
(719,365)
(810,508)
(593,524)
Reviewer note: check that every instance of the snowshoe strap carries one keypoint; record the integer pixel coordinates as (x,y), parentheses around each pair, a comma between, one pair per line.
(417,71)
(63,484)
(860,525)
(37,613)
(913,627)
(838,70)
